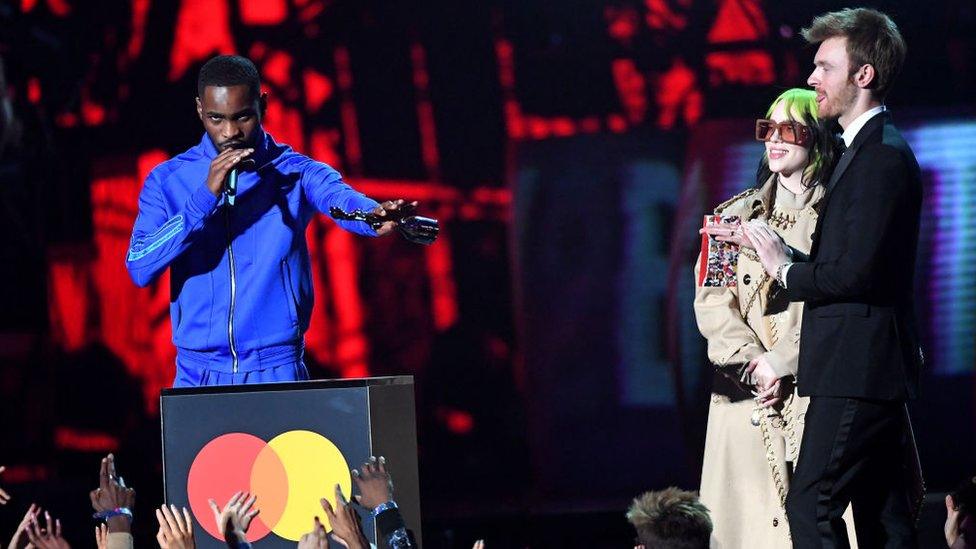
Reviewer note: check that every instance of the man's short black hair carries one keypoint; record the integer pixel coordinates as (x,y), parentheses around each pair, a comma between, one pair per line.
(229,70)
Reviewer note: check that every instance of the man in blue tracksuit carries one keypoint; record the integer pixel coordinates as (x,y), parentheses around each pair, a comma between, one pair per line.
(241,287)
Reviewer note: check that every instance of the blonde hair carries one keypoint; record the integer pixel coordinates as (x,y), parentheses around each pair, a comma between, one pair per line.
(670,518)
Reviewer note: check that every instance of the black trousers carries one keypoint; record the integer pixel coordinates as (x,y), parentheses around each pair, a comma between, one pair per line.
(853,451)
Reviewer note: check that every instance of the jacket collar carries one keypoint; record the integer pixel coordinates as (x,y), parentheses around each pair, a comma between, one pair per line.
(763,200)
(873,125)
(854,128)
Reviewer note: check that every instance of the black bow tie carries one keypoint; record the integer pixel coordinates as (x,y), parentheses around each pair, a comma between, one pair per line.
(841,144)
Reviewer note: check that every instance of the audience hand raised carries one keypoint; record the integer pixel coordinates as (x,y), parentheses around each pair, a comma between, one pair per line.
(346,528)
(316,539)
(101,536)
(4,496)
(373,482)
(175,528)
(48,536)
(235,518)
(20,540)
(112,494)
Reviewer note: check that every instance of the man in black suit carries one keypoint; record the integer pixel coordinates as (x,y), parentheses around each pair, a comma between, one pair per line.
(859,351)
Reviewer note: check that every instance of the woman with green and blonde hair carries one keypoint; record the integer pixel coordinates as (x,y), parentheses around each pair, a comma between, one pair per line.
(755,418)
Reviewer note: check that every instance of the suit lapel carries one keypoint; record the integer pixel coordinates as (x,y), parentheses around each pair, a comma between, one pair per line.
(842,164)
(876,124)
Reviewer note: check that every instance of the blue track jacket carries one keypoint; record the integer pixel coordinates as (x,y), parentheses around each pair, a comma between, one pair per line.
(240,282)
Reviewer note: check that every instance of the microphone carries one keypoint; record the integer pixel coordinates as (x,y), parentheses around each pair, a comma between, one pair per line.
(230,186)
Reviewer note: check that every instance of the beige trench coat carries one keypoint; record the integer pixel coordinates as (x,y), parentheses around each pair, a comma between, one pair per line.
(746,469)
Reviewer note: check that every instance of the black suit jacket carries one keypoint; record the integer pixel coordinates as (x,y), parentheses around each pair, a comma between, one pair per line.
(859,336)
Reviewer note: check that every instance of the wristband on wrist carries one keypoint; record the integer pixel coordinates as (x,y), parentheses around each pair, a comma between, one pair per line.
(385,506)
(117,512)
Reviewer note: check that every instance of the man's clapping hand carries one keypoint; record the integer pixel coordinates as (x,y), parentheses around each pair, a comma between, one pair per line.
(373,482)
(112,494)
(235,518)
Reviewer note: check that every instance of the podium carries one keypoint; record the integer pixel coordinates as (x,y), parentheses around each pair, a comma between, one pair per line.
(289,444)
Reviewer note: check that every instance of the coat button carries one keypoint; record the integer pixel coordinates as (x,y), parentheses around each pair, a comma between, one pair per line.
(775,522)
(746,279)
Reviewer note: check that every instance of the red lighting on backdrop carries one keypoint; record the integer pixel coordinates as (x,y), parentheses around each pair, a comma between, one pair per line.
(140,13)
(34,90)
(67,438)
(738,21)
(751,67)
(459,422)
(678,96)
(318,89)
(631,88)
(263,12)
(60,8)
(202,30)
(622,23)
(660,16)
(276,68)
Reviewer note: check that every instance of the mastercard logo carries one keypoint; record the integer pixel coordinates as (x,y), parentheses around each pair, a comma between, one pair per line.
(289,475)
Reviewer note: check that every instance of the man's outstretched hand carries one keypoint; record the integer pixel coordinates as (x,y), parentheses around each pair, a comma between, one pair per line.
(384,209)
(373,482)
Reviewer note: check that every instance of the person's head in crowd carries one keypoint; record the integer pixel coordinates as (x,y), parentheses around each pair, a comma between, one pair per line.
(860,53)
(670,519)
(229,101)
(797,141)
(960,526)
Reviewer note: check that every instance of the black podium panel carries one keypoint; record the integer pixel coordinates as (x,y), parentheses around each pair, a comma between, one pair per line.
(289,444)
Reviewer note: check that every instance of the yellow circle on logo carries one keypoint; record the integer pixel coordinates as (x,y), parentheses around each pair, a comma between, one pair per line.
(313,466)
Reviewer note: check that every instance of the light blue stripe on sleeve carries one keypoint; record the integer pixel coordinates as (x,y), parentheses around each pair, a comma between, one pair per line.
(169,229)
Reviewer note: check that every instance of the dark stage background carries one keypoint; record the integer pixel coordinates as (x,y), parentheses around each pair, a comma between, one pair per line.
(569,149)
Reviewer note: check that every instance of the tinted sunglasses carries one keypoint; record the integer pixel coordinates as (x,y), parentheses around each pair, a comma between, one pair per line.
(789,132)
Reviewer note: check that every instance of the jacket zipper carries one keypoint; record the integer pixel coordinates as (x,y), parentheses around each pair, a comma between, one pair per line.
(233,292)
